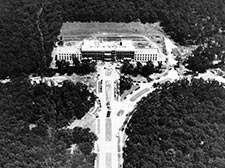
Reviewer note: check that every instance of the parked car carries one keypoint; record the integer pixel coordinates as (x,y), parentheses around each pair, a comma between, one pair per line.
(108,113)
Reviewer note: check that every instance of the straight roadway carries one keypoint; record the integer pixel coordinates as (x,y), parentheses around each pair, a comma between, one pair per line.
(106,145)
(115,114)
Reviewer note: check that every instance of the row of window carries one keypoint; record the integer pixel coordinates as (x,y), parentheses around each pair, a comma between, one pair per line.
(68,54)
(64,54)
(102,53)
(141,55)
(138,57)
(68,57)
(150,58)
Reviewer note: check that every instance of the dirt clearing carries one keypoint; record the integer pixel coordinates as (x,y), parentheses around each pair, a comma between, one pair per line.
(80,30)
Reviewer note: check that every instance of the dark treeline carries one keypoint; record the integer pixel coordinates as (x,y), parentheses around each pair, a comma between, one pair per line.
(79,67)
(55,105)
(204,56)
(125,83)
(30,118)
(144,70)
(178,125)
(28,29)
(186,21)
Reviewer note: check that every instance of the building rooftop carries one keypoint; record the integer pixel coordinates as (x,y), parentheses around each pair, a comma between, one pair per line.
(144,50)
(67,49)
(101,45)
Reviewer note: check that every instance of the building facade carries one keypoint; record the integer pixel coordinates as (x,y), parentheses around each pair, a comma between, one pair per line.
(107,50)
(92,49)
(66,53)
(147,54)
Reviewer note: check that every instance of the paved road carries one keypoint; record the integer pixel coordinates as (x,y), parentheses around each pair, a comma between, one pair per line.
(136,96)
(111,127)
(107,141)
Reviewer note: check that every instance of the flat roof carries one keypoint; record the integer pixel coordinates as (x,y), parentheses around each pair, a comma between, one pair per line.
(144,50)
(101,45)
(67,49)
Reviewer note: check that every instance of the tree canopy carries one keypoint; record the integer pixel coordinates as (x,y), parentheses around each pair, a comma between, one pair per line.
(145,70)
(31,122)
(79,67)
(212,49)
(180,124)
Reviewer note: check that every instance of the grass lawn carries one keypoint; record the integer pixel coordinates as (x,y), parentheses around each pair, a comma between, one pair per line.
(81,30)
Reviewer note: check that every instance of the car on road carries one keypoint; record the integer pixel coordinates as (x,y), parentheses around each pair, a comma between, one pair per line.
(108,113)
(120,113)
(126,121)
(108,105)
(137,88)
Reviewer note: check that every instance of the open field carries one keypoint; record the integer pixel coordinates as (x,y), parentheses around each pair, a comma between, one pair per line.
(81,30)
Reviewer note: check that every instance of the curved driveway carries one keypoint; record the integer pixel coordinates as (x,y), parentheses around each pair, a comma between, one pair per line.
(111,128)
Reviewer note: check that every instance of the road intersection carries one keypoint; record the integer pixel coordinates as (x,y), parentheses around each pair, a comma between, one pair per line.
(114,114)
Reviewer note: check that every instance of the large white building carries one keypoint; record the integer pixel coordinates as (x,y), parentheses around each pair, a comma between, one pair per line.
(66,53)
(107,50)
(98,49)
(147,54)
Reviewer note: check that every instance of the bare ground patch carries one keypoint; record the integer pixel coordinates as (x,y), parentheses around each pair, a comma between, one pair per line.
(88,121)
(81,30)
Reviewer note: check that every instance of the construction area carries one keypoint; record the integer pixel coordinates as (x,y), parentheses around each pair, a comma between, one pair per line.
(110,42)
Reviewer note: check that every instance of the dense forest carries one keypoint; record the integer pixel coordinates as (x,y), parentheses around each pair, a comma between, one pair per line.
(31,122)
(205,56)
(28,29)
(179,125)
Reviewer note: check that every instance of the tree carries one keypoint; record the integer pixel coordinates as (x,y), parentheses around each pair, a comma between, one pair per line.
(85,148)
(31,120)
(180,124)
(148,69)
(201,60)
(80,135)
(82,161)
(127,68)
(62,66)
(125,83)
(76,62)
(138,68)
